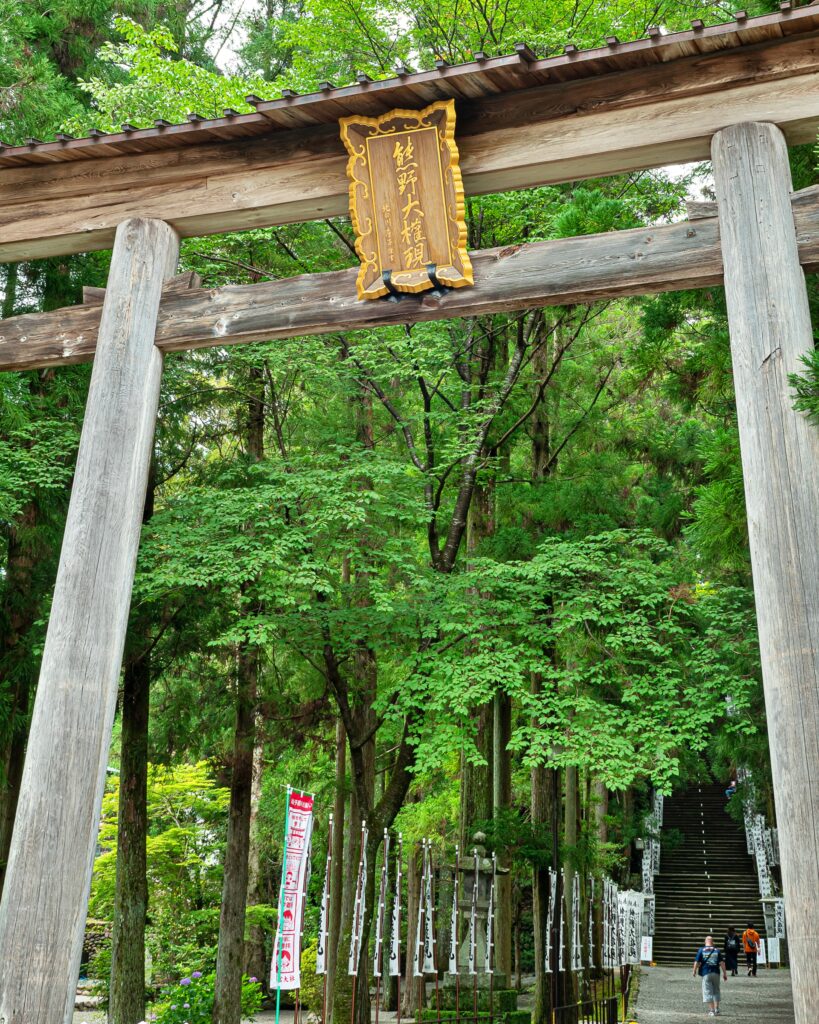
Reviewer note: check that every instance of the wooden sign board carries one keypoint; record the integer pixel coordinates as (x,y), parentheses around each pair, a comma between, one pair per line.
(407,200)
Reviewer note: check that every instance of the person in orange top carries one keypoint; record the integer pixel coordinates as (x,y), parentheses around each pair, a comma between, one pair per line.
(750,940)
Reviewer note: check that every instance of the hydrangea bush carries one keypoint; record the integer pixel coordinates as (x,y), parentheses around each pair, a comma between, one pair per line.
(190,1000)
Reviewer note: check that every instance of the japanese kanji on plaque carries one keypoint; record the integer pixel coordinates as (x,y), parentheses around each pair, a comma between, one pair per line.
(407,201)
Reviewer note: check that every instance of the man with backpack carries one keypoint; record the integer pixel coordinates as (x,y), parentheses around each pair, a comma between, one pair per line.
(750,940)
(709,962)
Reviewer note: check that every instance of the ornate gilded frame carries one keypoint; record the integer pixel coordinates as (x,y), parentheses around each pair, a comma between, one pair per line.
(453,271)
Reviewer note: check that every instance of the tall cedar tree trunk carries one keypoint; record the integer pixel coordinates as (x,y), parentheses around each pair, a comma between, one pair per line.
(501,802)
(127,998)
(545,783)
(227,1003)
(343,986)
(361,738)
(410,987)
(337,883)
(570,839)
(255,963)
(20,606)
(126,1003)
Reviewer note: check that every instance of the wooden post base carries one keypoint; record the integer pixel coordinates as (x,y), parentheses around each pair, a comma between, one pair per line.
(770,332)
(45,898)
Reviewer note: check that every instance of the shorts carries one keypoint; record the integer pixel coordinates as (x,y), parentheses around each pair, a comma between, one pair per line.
(710,987)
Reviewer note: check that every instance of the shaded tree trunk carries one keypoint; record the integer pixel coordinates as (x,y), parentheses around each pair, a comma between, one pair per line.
(501,801)
(255,963)
(20,609)
(336,903)
(231,954)
(127,998)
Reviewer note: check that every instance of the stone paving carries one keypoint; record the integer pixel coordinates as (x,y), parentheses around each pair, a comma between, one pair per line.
(669,995)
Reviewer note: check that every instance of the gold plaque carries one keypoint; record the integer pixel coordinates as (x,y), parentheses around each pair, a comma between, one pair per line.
(407,200)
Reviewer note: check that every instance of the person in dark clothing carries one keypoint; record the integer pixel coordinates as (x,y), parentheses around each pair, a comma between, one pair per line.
(731,947)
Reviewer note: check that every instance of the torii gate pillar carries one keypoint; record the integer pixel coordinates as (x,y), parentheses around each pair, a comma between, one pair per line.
(770,332)
(45,897)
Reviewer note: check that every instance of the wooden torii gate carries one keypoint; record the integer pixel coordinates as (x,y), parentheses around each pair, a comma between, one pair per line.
(736,91)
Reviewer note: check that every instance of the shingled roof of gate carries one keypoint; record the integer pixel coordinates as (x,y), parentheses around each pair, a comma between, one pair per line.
(481,77)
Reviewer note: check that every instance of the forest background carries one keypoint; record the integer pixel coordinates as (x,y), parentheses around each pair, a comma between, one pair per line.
(489,574)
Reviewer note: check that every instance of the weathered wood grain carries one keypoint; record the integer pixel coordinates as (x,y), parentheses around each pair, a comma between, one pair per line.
(771,331)
(43,911)
(550,133)
(572,270)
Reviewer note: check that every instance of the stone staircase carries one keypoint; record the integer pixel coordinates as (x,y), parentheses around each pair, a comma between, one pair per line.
(706,883)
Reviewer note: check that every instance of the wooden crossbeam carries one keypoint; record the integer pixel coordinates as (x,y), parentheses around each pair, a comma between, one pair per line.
(566,271)
(562,131)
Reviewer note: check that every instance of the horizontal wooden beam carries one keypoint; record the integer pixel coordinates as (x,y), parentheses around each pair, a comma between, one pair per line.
(561,272)
(607,124)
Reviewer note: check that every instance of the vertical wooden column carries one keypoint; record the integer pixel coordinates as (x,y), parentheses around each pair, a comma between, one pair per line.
(45,898)
(770,330)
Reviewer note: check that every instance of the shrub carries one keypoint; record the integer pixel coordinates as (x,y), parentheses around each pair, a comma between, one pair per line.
(190,1000)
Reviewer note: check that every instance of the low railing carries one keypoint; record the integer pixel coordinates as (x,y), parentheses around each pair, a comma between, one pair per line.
(605,1010)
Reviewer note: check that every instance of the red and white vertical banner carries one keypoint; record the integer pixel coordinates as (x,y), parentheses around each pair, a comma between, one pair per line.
(285,971)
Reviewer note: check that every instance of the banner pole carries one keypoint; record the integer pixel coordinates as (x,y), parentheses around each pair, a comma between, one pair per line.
(281,905)
(357,924)
(398,919)
(329,877)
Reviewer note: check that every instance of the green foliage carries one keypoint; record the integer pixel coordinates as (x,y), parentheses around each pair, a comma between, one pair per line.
(188,814)
(144,77)
(312,984)
(806,387)
(190,1000)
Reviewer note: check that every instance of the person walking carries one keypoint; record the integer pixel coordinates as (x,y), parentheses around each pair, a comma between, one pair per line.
(731,945)
(750,940)
(710,961)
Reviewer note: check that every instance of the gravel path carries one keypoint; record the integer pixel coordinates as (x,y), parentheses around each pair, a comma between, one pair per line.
(669,995)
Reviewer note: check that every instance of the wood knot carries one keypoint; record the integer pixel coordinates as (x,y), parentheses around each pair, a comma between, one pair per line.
(510,250)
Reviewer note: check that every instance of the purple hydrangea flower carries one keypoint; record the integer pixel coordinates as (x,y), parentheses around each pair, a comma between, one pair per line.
(253,981)
(196,974)
(186,1006)
(185,981)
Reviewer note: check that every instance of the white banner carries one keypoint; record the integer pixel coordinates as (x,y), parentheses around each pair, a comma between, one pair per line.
(324,915)
(429,966)
(646,949)
(418,955)
(760,957)
(630,907)
(560,943)
(473,920)
(773,950)
(550,919)
(453,918)
(576,949)
(779,917)
(285,970)
(360,905)
(591,923)
(488,964)
(382,904)
(395,935)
